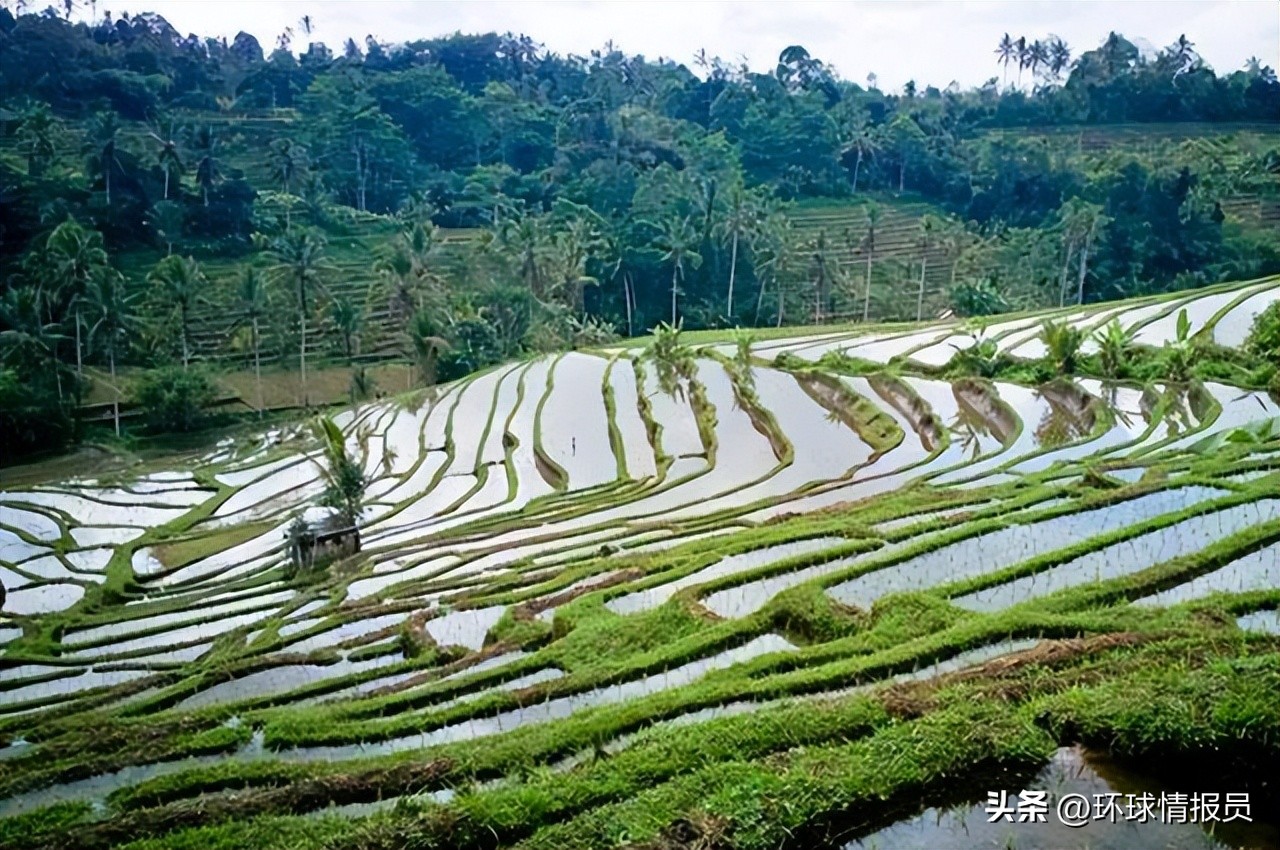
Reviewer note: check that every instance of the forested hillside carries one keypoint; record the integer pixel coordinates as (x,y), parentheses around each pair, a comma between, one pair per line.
(172,203)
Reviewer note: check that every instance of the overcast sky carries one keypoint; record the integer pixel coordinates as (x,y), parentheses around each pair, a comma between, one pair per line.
(931,42)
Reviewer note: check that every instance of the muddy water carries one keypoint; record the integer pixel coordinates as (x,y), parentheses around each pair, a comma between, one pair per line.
(1071,771)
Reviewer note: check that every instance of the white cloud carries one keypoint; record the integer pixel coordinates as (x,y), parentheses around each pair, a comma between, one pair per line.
(931,42)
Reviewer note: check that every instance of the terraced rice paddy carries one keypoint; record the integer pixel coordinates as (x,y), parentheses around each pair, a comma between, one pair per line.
(788,607)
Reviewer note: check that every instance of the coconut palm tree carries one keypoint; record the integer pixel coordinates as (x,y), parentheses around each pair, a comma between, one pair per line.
(345,481)
(1059,57)
(299,260)
(864,142)
(251,297)
(741,217)
(74,256)
(823,268)
(28,339)
(182,283)
(111,308)
(1020,52)
(928,227)
(168,157)
(207,170)
(1005,52)
(36,132)
(427,345)
(869,245)
(1082,222)
(1037,57)
(102,150)
(348,317)
(677,240)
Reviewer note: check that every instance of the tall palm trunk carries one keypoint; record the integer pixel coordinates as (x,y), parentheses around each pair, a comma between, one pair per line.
(107,182)
(733,270)
(866,297)
(675,272)
(924,262)
(626,297)
(857,166)
(166,182)
(1062,279)
(79,347)
(186,343)
(302,339)
(1084,266)
(760,300)
(257,365)
(115,388)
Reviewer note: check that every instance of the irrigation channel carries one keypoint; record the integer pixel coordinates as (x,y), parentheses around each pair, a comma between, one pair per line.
(775,604)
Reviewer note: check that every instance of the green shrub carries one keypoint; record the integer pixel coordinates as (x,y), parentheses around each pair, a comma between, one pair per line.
(1264,338)
(1062,342)
(174,399)
(978,299)
(32,416)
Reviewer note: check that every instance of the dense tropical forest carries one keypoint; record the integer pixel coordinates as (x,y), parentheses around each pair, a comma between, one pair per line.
(174,208)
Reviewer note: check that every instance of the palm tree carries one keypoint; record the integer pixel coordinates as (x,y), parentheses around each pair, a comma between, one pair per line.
(36,133)
(1005,52)
(824,271)
(928,224)
(168,157)
(288,162)
(347,318)
(677,240)
(1037,57)
(115,320)
(427,345)
(300,260)
(740,218)
(572,248)
(869,243)
(345,481)
(183,285)
(1059,57)
(74,256)
(775,253)
(407,271)
(251,296)
(167,218)
(102,152)
(1082,222)
(207,171)
(864,142)
(526,239)
(28,338)
(1021,53)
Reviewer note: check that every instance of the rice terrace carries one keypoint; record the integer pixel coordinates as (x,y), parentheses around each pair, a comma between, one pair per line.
(890,543)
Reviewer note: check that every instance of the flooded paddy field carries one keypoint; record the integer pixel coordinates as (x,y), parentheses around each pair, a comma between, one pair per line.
(597,605)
